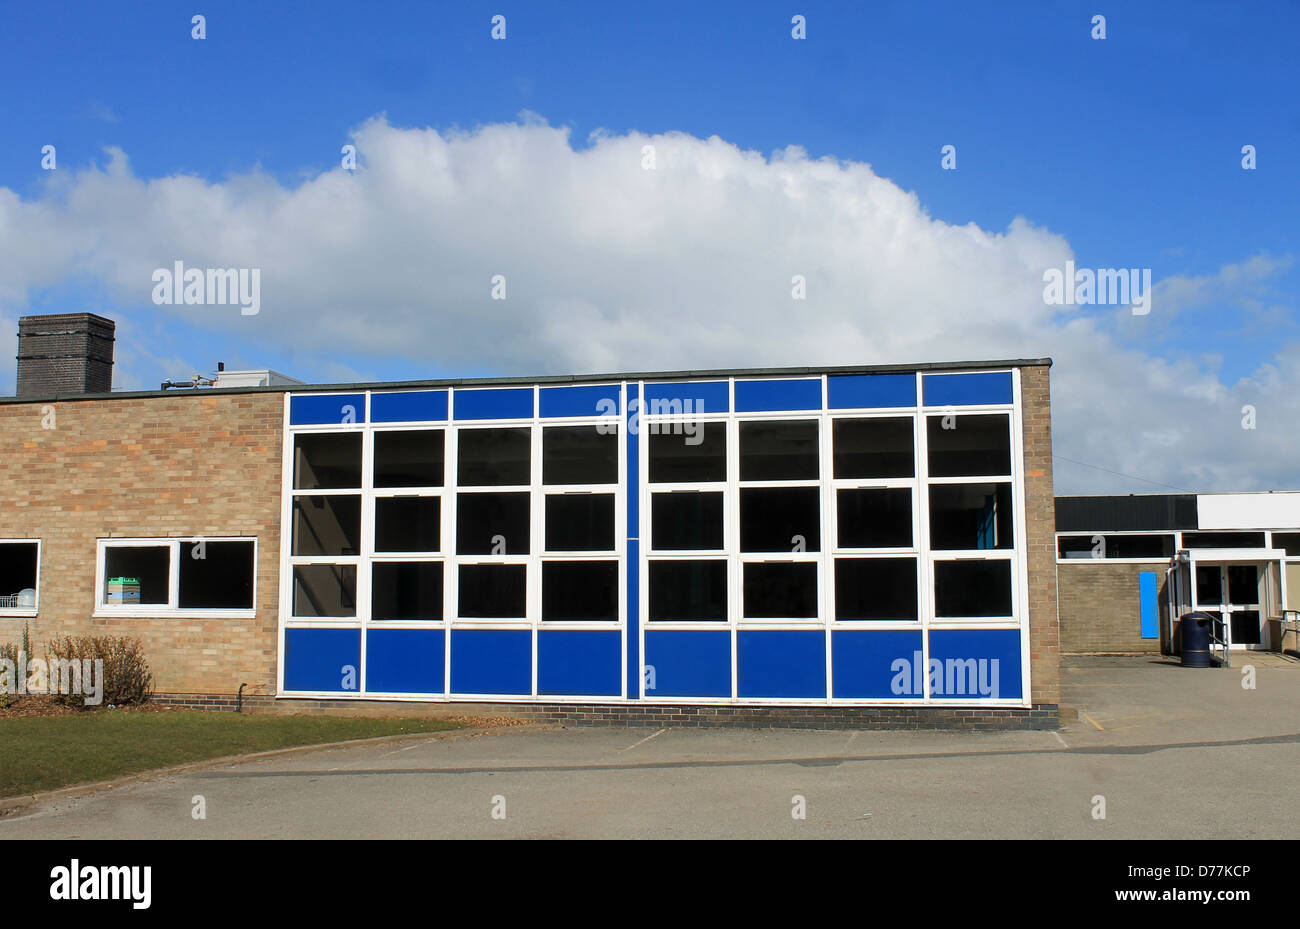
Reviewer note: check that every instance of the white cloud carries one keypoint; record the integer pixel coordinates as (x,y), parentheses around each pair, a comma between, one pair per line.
(613,267)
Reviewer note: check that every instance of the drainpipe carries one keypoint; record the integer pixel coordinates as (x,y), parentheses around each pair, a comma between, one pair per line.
(239,701)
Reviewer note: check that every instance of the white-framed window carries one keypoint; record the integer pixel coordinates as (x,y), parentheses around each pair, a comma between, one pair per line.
(580,516)
(1133,547)
(891,517)
(494,549)
(504,523)
(874,526)
(325,523)
(201,576)
(971,519)
(686,464)
(407,515)
(779,517)
(20,574)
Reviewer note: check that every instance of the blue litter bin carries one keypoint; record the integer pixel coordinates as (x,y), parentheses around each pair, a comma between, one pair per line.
(1194,629)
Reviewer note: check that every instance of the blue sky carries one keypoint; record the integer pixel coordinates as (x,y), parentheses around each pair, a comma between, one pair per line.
(1129,148)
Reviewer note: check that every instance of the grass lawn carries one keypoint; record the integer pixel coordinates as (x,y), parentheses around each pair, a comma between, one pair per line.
(42,753)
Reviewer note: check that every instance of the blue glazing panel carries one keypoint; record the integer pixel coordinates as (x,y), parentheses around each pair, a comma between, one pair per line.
(409,406)
(322,660)
(870,391)
(761,396)
(781,663)
(599,400)
(688,663)
(633,555)
(967,389)
(326,409)
(1150,609)
(404,661)
(502,403)
(975,664)
(687,397)
(491,661)
(579,664)
(863,664)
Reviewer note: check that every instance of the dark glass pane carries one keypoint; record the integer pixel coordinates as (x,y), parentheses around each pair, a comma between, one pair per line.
(324,590)
(972,588)
(494,456)
(409,459)
(327,525)
(686,520)
(492,523)
(972,517)
(216,575)
(579,590)
(874,448)
(493,591)
(579,455)
(406,590)
(679,458)
(1243,583)
(137,575)
(688,590)
(778,451)
(874,518)
(1209,585)
(875,588)
(1289,541)
(1083,547)
(780,519)
(408,524)
(579,522)
(775,590)
(1245,627)
(17,570)
(327,460)
(1223,540)
(975,444)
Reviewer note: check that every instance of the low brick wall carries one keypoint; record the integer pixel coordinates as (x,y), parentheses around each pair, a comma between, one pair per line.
(1039,716)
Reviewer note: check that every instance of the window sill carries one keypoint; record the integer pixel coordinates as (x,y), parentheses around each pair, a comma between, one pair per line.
(17,614)
(107,613)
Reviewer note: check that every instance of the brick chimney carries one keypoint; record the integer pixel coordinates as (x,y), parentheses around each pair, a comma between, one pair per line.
(65,353)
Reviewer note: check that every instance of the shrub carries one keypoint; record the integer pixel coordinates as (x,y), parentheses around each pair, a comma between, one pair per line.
(127,676)
(11,651)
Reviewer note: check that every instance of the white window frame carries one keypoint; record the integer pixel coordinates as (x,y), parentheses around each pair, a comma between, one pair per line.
(833,487)
(1018,617)
(741,558)
(1056,540)
(171,608)
(25,612)
(674,424)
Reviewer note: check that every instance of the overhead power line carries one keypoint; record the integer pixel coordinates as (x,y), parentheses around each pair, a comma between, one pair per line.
(1132,477)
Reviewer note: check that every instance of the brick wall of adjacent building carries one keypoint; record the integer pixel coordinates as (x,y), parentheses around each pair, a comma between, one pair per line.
(1040,542)
(186,464)
(1101,609)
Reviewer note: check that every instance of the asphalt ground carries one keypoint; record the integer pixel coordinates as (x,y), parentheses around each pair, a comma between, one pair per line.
(1165,752)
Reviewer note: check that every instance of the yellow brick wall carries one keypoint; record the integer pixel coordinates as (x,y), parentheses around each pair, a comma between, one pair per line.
(1040,519)
(1101,609)
(187,464)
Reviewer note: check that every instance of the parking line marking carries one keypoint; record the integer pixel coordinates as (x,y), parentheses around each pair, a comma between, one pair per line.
(643,741)
(1100,727)
(1059,739)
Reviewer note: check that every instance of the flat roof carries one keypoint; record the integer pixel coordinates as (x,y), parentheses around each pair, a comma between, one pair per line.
(693,375)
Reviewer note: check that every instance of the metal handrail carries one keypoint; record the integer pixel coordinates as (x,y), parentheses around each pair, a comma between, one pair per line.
(1290,623)
(1223,642)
